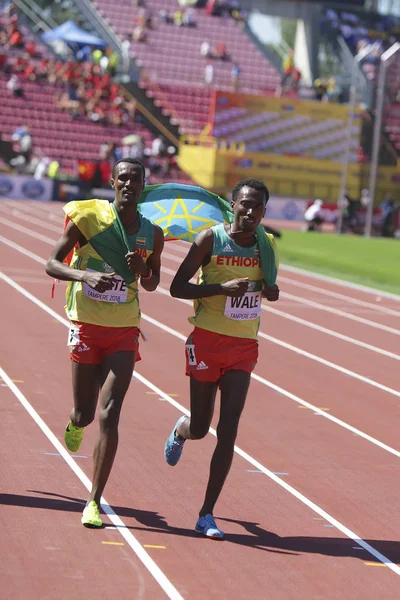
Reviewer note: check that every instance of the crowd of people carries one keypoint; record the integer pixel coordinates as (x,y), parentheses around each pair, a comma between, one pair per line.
(349,216)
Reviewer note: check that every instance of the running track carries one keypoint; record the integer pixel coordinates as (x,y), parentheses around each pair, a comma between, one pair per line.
(310,508)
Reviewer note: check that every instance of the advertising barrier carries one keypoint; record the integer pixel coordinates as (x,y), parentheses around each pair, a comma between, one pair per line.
(23,187)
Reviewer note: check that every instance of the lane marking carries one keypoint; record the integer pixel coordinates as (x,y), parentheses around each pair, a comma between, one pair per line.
(261,380)
(117,521)
(341,282)
(318,306)
(293,491)
(145,558)
(184,248)
(261,334)
(299,351)
(309,324)
(113,543)
(332,294)
(340,313)
(153,546)
(154,394)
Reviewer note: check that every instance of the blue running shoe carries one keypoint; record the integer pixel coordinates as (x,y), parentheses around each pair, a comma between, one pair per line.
(207,526)
(174,446)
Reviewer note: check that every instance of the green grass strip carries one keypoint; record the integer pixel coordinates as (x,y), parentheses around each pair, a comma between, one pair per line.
(374,262)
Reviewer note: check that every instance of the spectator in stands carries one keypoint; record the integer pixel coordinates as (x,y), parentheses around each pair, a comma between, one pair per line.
(320,89)
(209,74)
(314,216)
(189,17)
(15,87)
(178,18)
(288,66)
(139,34)
(205,49)
(388,217)
(15,37)
(221,51)
(332,90)
(166,17)
(41,168)
(23,147)
(235,72)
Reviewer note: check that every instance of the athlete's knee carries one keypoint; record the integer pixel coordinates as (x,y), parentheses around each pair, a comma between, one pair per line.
(81,418)
(109,414)
(198,432)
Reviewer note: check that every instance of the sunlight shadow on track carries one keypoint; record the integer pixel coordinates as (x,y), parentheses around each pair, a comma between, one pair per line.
(255,536)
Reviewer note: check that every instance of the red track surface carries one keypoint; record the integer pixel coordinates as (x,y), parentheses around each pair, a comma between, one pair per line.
(309,415)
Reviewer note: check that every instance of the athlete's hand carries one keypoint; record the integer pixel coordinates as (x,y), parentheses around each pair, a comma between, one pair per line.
(271,292)
(236,287)
(136,263)
(101,282)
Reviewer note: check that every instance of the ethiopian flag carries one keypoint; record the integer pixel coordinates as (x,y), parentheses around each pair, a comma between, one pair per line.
(99,222)
(182,211)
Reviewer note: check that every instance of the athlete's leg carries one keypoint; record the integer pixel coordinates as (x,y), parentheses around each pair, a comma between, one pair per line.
(234,386)
(202,402)
(85,386)
(116,374)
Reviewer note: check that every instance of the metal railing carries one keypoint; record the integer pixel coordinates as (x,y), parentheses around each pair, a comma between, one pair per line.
(376,142)
(100,24)
(42,21)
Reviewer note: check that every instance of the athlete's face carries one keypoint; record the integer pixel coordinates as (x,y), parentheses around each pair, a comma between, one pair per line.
(128,184)
(249,209)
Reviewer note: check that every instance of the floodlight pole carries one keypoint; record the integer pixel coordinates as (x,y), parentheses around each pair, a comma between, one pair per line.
(376,141)
(352,105)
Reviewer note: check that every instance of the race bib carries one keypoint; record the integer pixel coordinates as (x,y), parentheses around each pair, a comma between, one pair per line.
(246,308)
(118,294)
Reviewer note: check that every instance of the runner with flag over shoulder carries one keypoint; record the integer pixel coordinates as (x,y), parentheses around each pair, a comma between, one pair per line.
(238,266)
(105,250)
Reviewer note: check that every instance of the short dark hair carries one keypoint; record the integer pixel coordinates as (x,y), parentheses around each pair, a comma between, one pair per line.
(131,161)
(255,184)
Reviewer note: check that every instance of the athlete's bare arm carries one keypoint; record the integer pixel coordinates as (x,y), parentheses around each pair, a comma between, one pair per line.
(153,262)
(59,270)
(198,256)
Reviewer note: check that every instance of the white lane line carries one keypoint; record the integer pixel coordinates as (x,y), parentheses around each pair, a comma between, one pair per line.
(138,549)
(342,283)
(22,250)
(261,334)
(296,270)
(312,275)
(340,336)
(306,354)
(24,216)
(131,540)
(30,232)
(306,501)
(261,380)
(340,313)
(331,294)
(276,311)
(318,306)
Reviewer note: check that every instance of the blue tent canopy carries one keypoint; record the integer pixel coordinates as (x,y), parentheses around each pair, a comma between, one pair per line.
(70,33)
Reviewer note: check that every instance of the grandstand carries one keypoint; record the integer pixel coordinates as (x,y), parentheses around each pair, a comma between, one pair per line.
(174,68)
(69,136)
(167,75)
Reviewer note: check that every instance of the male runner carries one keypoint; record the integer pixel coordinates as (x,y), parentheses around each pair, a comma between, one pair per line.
(222,350)
(104,311)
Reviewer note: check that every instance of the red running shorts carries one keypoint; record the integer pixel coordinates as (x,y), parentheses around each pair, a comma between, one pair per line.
(209,355)
(89,344)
